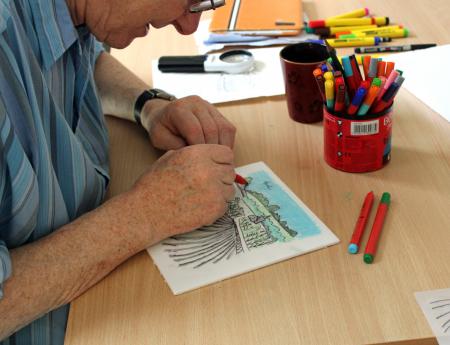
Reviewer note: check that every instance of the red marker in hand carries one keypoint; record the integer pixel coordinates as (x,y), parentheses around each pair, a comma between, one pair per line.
(240,180)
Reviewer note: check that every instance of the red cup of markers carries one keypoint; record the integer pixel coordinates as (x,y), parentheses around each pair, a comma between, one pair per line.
(357,145)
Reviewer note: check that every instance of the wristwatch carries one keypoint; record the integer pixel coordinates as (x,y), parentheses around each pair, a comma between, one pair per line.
(148,95)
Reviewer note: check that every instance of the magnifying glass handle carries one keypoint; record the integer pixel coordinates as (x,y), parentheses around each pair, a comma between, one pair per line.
(182,64)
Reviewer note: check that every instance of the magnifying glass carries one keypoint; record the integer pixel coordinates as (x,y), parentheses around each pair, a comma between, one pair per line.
(232,62)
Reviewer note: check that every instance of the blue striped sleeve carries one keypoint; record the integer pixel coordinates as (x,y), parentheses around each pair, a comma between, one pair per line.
(5,260)
(99,48)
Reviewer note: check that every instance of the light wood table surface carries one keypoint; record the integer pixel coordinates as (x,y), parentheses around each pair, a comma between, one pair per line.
(325,297)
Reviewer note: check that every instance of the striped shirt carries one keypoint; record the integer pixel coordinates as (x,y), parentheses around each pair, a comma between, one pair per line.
(53,139)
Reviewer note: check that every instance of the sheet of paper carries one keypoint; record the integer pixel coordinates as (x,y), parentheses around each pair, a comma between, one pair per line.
(426,76)
(435,305)
(265,224)
(265,79)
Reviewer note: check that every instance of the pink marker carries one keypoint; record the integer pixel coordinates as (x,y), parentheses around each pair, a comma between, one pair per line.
(394,74)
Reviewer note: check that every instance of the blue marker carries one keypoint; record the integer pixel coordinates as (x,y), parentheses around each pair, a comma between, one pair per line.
(356,101)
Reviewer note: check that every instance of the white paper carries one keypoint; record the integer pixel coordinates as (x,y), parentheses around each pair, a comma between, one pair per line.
(265,224)
(426,76)
(435,305)
(265,79)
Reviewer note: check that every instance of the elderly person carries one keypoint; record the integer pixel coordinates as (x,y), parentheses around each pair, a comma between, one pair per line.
(56,240)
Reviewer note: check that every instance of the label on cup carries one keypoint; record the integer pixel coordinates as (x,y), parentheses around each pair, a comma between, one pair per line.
(357,145)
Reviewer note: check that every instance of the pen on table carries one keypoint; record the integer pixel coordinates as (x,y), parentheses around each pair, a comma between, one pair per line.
(370,98)
(372,243)
(360,225)
(382,49)
(240,180)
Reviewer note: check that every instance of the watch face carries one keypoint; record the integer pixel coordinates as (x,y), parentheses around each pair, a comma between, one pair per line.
(158,93)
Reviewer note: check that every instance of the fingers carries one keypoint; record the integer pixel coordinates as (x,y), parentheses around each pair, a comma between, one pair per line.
(226,130)
(164,139)
(221,154)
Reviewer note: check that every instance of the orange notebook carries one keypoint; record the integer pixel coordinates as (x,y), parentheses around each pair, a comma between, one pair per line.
(259,17)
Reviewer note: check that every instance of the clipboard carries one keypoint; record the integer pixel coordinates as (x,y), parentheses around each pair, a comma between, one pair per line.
(259,17)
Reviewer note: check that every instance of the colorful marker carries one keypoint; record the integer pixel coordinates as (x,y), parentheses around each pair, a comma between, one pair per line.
(349,76)
(339,103)
(332,31)
(356,42)
(360,225)
(388,98)
(360,12)
(318,75)
(381,69)
(382,32)
(357,100)
(391,78)
(356,72)
(366,65)
(372,243)
(389,68)
(240,180)
(373,69)
(370,98)
(329,94)
(349,22)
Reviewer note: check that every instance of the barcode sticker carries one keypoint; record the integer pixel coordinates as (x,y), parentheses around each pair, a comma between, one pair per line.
(364,128)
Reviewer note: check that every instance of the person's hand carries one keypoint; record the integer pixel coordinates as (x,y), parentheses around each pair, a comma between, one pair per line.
(186,121)
(184,190)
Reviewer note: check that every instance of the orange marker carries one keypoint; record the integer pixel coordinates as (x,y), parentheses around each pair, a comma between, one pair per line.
(366,64)
(389,68)
(381,69)
(318,75)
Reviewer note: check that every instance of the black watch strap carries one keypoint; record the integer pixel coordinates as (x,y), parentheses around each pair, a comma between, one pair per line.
(146,96)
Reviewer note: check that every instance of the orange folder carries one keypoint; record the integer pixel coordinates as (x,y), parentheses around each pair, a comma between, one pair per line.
(259,17)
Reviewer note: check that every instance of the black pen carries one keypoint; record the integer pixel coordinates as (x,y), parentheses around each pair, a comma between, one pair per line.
(383,49)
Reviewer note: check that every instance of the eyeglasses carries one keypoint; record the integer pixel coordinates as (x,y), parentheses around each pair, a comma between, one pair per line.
(206,5)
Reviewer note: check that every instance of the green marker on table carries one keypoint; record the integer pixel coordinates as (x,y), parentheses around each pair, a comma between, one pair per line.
(371,247)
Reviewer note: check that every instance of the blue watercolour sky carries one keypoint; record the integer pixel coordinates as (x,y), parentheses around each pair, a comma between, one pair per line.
(296,218)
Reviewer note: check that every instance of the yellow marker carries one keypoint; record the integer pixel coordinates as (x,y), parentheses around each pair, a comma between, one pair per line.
(361,12)
(329,94)
(349,22)
(356,42)
(328,76)
(326,32)
(392,33)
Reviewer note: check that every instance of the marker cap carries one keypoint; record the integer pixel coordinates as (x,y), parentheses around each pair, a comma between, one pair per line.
(368,258)
(353,248)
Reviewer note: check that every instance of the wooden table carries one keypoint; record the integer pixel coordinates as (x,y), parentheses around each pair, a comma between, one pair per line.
(325,297)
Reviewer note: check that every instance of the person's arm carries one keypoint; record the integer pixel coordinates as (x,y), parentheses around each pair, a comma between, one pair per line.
(183,190)
(171,125)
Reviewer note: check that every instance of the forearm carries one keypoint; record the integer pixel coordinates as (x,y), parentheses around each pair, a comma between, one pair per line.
(118,87)
(54,270)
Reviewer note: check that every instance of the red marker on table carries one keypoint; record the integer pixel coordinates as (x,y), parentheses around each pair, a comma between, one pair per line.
(372,243)
(240,180)
(355,241)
